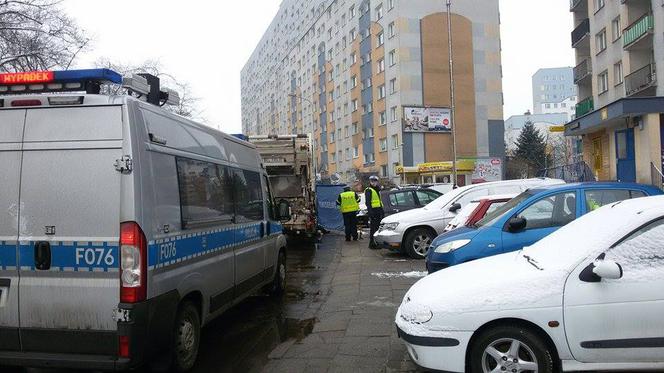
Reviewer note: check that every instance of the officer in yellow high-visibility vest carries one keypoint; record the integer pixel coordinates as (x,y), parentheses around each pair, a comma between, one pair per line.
(374,208)
(349,204)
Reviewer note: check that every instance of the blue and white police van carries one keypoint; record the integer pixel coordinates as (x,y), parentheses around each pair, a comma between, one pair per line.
(123,228)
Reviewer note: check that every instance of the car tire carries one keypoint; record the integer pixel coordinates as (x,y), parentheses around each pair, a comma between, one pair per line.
(414,241)
(186,338)
(495,349)
(278,284)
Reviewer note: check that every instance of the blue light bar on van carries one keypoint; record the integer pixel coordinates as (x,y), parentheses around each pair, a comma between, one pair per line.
(241,136)
(54,81)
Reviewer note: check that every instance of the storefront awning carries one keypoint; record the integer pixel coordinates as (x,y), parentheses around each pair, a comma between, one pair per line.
(613,113)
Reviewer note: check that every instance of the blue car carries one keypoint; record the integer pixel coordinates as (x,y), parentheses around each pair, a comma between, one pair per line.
(526,219)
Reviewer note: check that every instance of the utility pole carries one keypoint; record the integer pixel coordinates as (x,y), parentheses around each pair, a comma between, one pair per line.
(452,108)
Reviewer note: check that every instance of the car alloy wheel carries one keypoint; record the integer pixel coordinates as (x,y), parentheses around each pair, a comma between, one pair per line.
(509,355)
(421,244)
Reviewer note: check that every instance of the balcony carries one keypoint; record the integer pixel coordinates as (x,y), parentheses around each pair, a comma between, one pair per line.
(584,107)
(638,31)
(575,5)
(640,80)
(582,71)
(581,32)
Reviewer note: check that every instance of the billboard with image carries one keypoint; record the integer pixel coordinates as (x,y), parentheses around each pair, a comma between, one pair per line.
(426,119)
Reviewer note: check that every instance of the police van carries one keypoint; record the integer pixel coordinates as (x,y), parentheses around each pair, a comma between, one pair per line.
(123,228)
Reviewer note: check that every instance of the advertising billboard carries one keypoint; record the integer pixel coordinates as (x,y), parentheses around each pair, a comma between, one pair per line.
(426,119)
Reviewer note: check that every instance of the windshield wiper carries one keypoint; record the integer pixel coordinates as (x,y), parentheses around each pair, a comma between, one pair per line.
(533,262)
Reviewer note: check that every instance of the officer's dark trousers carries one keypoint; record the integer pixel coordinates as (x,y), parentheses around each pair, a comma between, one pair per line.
(376,215)
(350,223)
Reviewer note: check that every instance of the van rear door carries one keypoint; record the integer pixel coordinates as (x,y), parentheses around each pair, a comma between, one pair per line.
(11,136)
(70,219)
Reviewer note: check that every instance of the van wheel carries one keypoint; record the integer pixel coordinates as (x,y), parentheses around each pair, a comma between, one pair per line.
(510,349)
(417,243)
(279,282)
(186,337)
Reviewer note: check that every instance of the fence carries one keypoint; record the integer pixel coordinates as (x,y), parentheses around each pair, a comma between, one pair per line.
(656,176)
(571,173)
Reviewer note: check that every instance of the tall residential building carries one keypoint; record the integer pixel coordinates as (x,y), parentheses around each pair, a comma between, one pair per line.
(369,78)
(554,91)
(619,48)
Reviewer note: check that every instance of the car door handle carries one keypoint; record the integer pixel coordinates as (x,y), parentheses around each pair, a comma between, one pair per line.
(43,255)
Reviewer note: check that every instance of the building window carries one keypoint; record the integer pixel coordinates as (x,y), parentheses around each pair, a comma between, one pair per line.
(390,30)
(599,4)
(348,154)
(383,144)
(618,73)
(381,65)
(354,128)
(368,108)
(351,12)
(395,141)
(368,133)
(353,35)
(329,33)
(393,113)
(334,158)
(379,12)
(393,86)
(390,4)
(600,41)
(353,58)
(547,106)
(381,39)
(353,81)
(346,131)
(383,118)
(392,57)
(356,152)
(381,91)
(353,105)
(383,170)
(369,158)
(603,82)
(616,29)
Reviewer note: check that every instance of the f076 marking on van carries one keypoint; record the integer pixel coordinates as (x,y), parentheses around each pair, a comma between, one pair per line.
(167,251)
(94,256)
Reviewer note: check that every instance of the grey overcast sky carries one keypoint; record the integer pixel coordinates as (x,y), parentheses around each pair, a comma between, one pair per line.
(206,43)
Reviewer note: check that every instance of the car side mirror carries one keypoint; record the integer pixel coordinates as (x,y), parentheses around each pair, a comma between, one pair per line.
(600,269)
(516,224)
(455,207)
(283,211)
(608,269)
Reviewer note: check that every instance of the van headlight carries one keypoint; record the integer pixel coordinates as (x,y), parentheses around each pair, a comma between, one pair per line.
(451,246)
(390,226)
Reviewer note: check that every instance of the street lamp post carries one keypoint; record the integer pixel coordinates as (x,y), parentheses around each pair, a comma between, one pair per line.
(452,104)
(313,139)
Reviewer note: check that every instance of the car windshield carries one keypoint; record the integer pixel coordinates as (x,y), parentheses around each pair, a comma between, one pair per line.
(493,216)
(446,198)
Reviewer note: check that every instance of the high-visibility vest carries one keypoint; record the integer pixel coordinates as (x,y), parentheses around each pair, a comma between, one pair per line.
(375,199)
(349,202)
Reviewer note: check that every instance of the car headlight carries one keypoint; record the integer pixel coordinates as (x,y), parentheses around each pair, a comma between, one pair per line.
(390,226)
(451,246)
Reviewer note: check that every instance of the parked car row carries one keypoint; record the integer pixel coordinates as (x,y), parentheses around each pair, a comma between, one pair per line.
(588,296)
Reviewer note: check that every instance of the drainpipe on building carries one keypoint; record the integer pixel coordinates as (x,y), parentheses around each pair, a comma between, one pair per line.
(449,43)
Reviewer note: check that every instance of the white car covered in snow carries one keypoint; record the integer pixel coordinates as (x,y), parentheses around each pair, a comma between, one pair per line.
(590,296)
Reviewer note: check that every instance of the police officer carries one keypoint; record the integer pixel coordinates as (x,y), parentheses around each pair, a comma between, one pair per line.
(349,204)
(374,208)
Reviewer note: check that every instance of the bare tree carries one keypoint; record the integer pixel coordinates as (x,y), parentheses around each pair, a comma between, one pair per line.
(188,106)
(37,35)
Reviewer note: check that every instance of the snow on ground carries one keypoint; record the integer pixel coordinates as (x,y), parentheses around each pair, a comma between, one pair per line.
(412,274)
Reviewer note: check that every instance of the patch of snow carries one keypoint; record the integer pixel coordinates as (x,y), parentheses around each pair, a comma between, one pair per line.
(412,274)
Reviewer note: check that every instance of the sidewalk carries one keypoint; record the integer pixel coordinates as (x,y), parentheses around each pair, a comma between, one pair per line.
(354,317)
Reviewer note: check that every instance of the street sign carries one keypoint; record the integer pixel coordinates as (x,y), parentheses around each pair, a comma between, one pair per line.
(557,129)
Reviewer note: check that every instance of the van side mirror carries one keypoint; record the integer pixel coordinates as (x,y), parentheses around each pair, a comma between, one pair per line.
(455,207)
(283,211)
(516,224)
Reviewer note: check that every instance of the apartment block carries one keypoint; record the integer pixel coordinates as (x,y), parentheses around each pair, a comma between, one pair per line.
(350,72)
(619,50)
(554,91)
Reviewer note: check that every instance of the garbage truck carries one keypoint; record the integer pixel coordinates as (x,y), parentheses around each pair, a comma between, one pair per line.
(288,160)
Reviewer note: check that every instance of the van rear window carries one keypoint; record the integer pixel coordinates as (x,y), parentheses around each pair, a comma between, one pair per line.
(205,192)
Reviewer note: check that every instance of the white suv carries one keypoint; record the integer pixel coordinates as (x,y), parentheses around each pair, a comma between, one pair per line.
(412,231)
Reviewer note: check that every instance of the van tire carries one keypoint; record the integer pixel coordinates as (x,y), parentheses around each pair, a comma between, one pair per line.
(414,239)
(279,282)
(186,337)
